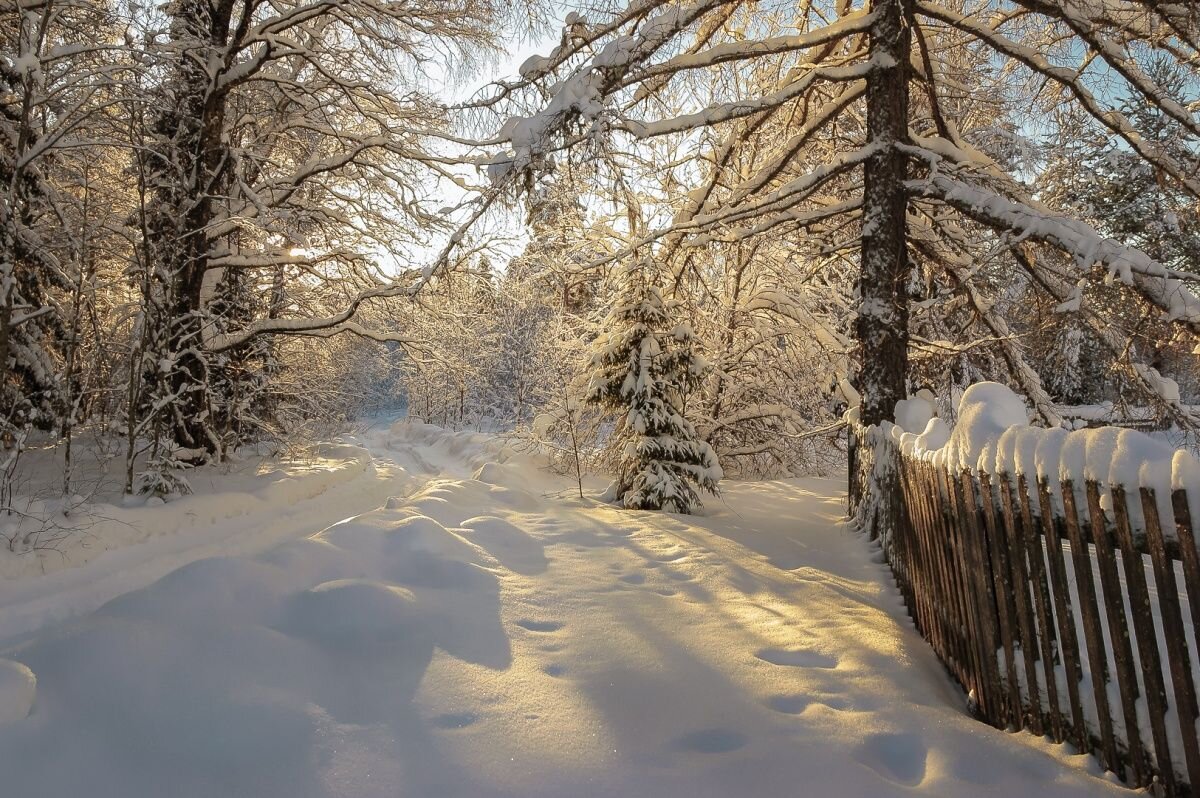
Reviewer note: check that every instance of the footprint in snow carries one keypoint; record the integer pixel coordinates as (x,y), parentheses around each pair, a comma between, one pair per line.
(539,626)
(899,758)
(711,741)
(797,658)
(454,720)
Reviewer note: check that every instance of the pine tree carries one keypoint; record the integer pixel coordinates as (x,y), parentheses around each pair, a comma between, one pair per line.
(643,366)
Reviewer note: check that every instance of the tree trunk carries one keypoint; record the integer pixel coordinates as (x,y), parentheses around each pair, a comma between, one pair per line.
(882,324)
(191,176)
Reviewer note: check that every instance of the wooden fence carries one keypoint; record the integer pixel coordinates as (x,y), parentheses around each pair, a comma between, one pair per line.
(1073,617)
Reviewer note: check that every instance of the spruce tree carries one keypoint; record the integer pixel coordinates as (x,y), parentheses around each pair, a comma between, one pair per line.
(643,365)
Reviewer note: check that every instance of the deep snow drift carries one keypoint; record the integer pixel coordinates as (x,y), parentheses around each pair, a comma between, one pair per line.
(492,636)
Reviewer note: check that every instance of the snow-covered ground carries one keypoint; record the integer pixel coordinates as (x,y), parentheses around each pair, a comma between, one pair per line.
(241,508)
(484,633)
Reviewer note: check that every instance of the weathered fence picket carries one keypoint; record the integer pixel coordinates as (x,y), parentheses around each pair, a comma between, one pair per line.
(1059,611)
(1040,584)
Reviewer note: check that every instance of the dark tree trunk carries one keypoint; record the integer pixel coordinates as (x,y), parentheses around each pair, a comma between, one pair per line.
(882,325)
(189,179)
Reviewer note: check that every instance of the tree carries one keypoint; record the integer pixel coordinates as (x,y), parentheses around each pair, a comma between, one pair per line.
(886,155)
(762,312)
(49,75)
(59,74)
(642,369)
(284,138)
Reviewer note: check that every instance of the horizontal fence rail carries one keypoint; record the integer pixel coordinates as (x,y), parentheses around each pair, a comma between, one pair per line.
(1070,611)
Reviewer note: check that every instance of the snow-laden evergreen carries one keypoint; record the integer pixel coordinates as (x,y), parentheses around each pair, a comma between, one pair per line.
(644,364)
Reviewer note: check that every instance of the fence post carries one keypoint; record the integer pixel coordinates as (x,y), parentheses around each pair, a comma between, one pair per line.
(950,552)
(1092,633)
(1185,534)
(1020,583)
(961,565)
(1147,639)
(1172,623)
(984,594)
(998,560)
(1064,612)
(1042,599)
(1118,630)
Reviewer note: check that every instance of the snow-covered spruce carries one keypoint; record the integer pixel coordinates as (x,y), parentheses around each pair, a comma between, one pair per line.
(643,366)
(163,479)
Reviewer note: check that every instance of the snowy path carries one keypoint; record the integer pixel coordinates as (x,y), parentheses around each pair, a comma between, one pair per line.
(370,469)
(483,638)
(223,524)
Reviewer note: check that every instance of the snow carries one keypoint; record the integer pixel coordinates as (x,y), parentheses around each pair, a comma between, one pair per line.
(1165,387)
(533,66)
(490,635)
(27,63)
(1074,301)
(993,436)
(18,686)
(578,95)
(935,435)
(985,411)
(914,413)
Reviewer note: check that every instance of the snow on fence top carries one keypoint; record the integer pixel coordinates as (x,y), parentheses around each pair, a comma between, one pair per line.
(993,436)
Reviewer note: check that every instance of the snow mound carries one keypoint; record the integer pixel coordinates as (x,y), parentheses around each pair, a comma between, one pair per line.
(503,475)
(935,436)
(993,436)
(203,591)
(18,687)
(449,501)
(914,413)
(520,500)
(438,508)
(420,552)
(513,547)
(985,411)
(354,615)
(1114,456)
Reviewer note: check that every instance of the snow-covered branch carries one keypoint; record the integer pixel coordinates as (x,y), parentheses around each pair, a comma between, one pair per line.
(1163,287)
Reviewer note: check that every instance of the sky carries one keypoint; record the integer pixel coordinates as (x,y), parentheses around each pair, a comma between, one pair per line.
(455,86)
